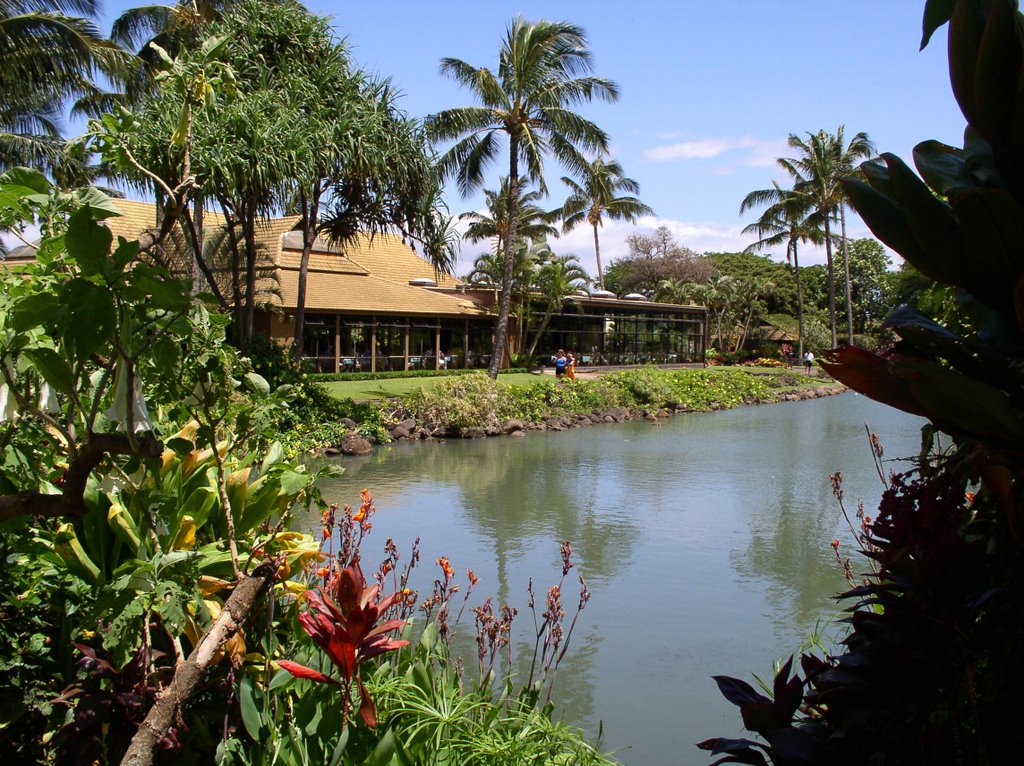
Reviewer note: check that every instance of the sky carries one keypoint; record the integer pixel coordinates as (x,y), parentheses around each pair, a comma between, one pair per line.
(709,93)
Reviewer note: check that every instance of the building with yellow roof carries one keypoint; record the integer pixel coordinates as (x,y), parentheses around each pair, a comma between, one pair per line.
(375,304)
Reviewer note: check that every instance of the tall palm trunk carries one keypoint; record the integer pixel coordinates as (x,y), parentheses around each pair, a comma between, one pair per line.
(799,302)
(597,256)
(849,284)
(505,300)
(831,281)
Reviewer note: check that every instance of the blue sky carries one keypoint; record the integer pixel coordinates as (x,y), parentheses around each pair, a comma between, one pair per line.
(709,91)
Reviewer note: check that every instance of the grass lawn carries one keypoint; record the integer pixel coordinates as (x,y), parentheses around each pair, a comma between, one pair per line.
(361,390)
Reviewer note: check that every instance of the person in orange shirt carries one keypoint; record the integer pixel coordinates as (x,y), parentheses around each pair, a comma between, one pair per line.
(570,367)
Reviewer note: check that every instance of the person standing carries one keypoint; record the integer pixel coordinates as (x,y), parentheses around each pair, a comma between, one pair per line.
(809,361)
(570,366)
(560,364)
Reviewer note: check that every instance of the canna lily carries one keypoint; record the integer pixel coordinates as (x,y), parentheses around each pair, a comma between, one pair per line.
(342,620)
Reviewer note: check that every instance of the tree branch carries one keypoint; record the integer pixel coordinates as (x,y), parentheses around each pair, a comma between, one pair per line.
(189,675)
(70,501)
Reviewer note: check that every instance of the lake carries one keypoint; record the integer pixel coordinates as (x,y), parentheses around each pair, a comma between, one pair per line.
(705,541)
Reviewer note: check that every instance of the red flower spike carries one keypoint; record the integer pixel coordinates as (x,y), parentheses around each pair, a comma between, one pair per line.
(346,628)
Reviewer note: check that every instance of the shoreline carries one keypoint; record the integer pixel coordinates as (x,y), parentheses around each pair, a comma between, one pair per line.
(408,429)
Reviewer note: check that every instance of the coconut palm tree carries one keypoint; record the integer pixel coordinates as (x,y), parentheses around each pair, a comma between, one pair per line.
(594,198)
(860,148)
(788,218)
(532,222)
(816,174)
(529,101)
(48,58)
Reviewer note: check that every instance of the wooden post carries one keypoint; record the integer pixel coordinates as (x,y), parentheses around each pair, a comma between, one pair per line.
(405,349)
(373,344)
(337,342)
(437,348)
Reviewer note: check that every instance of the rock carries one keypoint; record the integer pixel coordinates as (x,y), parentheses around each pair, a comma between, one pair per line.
(400,432)
(519,434)
(408,424)
(472,432)
(511,426)
(650,416)
(617,414)
(609,419)
(492,430)
(332,451)
(348,423)
(353,444)
(554,424)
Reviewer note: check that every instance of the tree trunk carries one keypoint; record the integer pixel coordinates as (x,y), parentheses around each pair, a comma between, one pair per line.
(597,257)
(204,267)
(540,330)
(849,284)
(505,299)
(831,282)
(196,231)
(799,304)
(189,675)
(310,212)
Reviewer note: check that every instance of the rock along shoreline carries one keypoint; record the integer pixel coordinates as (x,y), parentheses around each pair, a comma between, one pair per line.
(409,430)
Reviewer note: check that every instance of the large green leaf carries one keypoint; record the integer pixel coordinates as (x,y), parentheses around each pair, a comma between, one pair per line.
(942,167)
(87,242)
(34,310)
(90,317)
(993,229)
(936,13)
(886,221)
(52,366)
(250,701)
(930,222)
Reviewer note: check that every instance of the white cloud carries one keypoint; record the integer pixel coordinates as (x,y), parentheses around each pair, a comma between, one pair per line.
(743,151)
(689,150)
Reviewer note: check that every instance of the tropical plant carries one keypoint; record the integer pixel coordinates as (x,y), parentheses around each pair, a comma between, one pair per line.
(530,101)
(49,57)
(555,281)
(594,198)
(130,437)
(931,668)
(785,219)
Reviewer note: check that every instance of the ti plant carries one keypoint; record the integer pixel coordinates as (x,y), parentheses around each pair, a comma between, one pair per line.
(932,667)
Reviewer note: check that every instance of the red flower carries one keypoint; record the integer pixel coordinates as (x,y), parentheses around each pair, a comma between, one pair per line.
(343,623)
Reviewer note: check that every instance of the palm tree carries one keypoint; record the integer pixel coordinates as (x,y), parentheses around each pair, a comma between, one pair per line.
(594,198)
(860,148)
(532,222)
(788,218)
(556,280)
(529,101)
(816,172)
(48,58)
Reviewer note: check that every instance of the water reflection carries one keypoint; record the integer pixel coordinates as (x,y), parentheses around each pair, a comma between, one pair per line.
(705,543)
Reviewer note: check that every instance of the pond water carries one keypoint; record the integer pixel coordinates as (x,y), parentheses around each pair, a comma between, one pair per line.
(705,542)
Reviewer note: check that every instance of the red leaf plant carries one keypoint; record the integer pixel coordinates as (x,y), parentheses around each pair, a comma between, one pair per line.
(342,620)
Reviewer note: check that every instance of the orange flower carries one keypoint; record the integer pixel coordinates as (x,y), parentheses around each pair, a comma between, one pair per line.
(970,499)
(473,579)
(323,571)
(835,544)
(446,567)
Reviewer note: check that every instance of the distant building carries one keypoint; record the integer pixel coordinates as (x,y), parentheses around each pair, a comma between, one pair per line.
(375,304)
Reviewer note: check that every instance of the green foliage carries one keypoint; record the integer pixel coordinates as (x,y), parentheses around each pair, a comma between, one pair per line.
(743,266)
(98,347)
